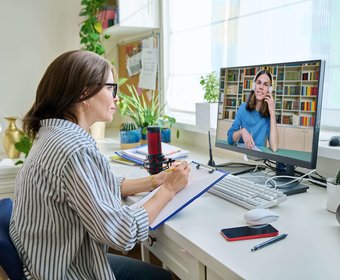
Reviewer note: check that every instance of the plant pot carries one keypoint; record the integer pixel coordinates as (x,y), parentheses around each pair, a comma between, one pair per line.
(130,138)
(206,115)
(333,195)
(166,135)
(144,139)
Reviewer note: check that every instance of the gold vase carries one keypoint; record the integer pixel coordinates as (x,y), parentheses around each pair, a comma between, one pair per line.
(11,136)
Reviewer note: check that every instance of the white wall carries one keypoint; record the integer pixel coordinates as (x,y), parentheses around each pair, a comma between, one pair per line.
(32,34)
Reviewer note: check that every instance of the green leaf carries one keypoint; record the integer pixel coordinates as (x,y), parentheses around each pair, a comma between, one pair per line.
(122,81)
(83,13)
(142,112)
(24,145)
(94,36)
(91,27)
(19,162)
(210,85)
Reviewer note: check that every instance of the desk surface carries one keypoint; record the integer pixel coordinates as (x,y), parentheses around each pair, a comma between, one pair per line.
(311,250)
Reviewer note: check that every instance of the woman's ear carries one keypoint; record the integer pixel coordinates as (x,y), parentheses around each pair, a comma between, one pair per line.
(84,106)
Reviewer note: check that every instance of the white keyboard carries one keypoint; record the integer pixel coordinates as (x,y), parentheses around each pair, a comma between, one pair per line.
(246,193)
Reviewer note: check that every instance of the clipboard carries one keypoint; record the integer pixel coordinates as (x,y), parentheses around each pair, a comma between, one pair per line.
(201,179)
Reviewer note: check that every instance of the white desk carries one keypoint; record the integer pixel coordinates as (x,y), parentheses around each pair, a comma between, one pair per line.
(311,250)
(190,243)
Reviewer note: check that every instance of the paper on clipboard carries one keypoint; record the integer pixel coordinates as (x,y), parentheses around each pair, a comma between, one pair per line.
(200,180)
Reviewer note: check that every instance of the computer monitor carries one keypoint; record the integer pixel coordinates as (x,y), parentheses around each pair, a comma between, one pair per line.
(297,91)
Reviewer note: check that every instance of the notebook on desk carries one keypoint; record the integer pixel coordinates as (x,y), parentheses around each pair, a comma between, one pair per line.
(139,154)
(201,179)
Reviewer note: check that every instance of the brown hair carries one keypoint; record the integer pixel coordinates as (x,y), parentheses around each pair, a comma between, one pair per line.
(72,77)
(251,102)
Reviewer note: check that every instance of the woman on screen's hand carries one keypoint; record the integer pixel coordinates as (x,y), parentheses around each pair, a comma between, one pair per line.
(247,138)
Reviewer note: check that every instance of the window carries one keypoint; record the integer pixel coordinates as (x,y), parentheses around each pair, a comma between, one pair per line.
(200,36)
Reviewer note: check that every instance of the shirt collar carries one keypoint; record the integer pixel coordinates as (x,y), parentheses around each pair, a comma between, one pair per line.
(61,123)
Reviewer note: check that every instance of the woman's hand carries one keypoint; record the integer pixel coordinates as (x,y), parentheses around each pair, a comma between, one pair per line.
(247,138)
(176,178)
(159,178)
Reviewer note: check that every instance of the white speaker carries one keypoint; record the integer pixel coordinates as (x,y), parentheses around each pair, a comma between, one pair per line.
(270,89)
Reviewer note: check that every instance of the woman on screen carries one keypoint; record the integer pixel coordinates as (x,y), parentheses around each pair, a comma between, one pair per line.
(255,123)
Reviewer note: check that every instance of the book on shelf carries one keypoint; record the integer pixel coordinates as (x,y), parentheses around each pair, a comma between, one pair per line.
(232,89)
(139,154)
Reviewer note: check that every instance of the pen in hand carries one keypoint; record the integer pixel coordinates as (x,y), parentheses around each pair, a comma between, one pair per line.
(268,242)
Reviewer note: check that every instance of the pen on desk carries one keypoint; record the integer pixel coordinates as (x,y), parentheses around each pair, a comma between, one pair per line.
(268,242)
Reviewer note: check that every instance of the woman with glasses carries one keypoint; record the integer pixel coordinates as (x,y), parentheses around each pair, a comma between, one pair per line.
(255,122)
(68,208)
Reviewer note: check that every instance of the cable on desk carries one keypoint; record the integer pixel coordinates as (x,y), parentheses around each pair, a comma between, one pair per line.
(315,179)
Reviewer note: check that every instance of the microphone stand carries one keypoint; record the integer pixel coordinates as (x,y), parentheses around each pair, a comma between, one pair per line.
(211,161)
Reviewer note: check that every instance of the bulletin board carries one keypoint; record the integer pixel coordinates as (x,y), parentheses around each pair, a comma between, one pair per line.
(126,51)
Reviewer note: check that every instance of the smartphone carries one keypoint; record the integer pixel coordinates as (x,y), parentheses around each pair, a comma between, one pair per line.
(243,233)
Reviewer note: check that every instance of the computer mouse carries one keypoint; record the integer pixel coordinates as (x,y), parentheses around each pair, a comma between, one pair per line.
(334,141)
(260,216)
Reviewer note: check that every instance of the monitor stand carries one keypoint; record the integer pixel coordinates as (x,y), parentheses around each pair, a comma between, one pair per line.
(290,187)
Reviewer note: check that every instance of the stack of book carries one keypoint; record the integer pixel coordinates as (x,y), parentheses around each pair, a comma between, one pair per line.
(8,172)
(139,154)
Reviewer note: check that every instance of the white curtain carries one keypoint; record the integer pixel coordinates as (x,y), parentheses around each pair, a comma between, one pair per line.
(201,36)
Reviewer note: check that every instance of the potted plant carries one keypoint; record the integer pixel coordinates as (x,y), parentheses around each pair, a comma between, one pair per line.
(143,113)
(130,135)
(91,28)
(206,112)
(333,192)
(165,123)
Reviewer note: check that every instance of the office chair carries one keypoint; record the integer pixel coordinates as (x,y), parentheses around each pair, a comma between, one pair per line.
(9,258)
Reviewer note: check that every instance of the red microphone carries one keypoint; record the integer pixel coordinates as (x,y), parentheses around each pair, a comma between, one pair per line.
(155,162)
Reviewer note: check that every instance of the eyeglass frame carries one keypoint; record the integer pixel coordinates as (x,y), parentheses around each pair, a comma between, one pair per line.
(114,88)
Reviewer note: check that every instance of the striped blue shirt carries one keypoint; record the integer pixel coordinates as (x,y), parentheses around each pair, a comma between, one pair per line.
(68,209)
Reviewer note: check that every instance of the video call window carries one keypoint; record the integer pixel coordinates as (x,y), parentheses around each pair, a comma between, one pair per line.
(296,89)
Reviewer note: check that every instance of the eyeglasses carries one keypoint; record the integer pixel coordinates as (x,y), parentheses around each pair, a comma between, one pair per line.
(114,87)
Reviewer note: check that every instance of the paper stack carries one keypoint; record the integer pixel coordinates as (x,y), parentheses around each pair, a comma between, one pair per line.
(8,172)
(139,154)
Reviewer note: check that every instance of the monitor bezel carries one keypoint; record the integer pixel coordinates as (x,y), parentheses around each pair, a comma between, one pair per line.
(316,131)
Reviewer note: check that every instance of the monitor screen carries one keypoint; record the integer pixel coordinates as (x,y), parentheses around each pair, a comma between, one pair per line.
(272,111)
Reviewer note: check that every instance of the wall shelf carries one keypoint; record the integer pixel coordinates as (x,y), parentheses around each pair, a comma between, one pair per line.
(119,33)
